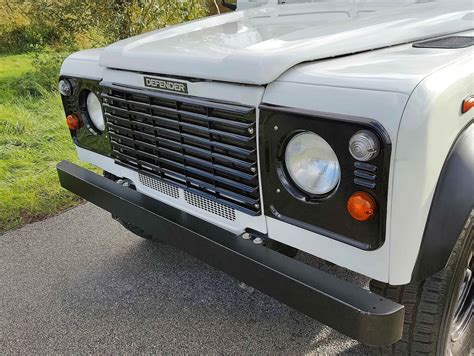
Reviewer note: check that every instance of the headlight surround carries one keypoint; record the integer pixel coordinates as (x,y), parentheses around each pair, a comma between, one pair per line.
(312,164)
(94,111)
(325,214)
(87,135)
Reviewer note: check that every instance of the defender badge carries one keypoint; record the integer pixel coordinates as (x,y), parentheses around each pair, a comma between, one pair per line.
(169,85)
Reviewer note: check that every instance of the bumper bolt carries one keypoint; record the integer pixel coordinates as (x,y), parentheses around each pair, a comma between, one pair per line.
(246,236)
(258,241)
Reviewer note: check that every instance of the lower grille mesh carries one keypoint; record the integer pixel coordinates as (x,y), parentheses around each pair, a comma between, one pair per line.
(205,147)
(210,206)
(195,200)
(159,186)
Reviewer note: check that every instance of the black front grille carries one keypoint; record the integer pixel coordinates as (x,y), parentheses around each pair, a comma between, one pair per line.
(203,146)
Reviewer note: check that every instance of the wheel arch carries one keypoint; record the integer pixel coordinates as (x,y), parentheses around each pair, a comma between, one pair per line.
(452,203)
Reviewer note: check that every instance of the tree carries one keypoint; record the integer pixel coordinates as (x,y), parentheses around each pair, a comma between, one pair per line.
(79,23)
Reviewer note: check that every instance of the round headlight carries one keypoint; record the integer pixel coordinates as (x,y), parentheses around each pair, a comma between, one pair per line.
(364,146)
(312,164)
(94,109)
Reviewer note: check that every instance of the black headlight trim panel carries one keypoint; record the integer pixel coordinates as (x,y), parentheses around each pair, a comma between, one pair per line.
(326,215)
(87,136)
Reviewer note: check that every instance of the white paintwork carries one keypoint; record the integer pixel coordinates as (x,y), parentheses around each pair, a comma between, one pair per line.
(250,4)
(414,93)
(83,64)
(430,124)
(256,46)
(397,69)
(395,79)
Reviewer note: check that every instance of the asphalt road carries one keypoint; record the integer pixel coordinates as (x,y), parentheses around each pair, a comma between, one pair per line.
(79,282)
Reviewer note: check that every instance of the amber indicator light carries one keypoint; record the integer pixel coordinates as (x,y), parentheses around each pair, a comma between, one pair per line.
(361,206)
(73,122)
(467,104)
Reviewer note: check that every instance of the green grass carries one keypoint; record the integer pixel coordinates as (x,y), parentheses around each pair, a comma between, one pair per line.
(33,138)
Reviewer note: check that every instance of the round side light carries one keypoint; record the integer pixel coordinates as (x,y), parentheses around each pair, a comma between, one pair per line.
(364,145)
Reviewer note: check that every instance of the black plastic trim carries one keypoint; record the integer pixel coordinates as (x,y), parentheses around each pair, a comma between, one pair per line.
(326,214)
(87,136)
(203,145)
(350,309)
(452,203)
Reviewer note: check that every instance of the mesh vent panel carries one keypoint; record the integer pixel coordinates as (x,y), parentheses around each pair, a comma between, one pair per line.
(210,206)
(159,186)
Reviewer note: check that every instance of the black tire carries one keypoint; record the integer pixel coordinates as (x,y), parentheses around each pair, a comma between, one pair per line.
(430,306)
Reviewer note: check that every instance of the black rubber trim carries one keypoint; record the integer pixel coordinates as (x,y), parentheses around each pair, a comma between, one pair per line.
(452,203)
(228,5)
(344,306)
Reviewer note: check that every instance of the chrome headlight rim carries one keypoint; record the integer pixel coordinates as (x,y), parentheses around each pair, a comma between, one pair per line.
(288,181)
(89,122)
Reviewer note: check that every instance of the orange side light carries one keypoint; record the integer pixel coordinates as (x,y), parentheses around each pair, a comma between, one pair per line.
(73,122)
(361,206)
(467,104)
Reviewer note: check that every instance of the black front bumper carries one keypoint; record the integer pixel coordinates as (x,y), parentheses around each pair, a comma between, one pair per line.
(352,310)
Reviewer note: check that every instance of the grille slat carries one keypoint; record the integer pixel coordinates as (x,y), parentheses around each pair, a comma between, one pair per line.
(188,158)
(226,122)
(165,121)
(202,146)
(145,94)
(243,152)
(198,151)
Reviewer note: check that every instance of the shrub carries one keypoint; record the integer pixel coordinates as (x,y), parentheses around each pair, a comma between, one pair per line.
(27,25)
(44,76)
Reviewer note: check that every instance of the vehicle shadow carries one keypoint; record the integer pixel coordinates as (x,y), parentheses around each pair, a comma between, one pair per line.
(161,298)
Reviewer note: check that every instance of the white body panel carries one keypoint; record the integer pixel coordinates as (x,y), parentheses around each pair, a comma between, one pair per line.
(431,123)
(256,46)
(414,93)
(384,107)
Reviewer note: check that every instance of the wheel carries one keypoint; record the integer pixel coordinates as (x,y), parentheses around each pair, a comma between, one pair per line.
(438,318)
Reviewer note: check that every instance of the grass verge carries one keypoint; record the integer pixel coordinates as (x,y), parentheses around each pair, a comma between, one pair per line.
(33,138)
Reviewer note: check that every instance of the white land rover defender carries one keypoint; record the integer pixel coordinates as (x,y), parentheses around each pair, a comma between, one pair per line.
(343,129)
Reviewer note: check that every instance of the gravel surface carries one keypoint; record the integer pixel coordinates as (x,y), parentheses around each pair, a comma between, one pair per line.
(79,282)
